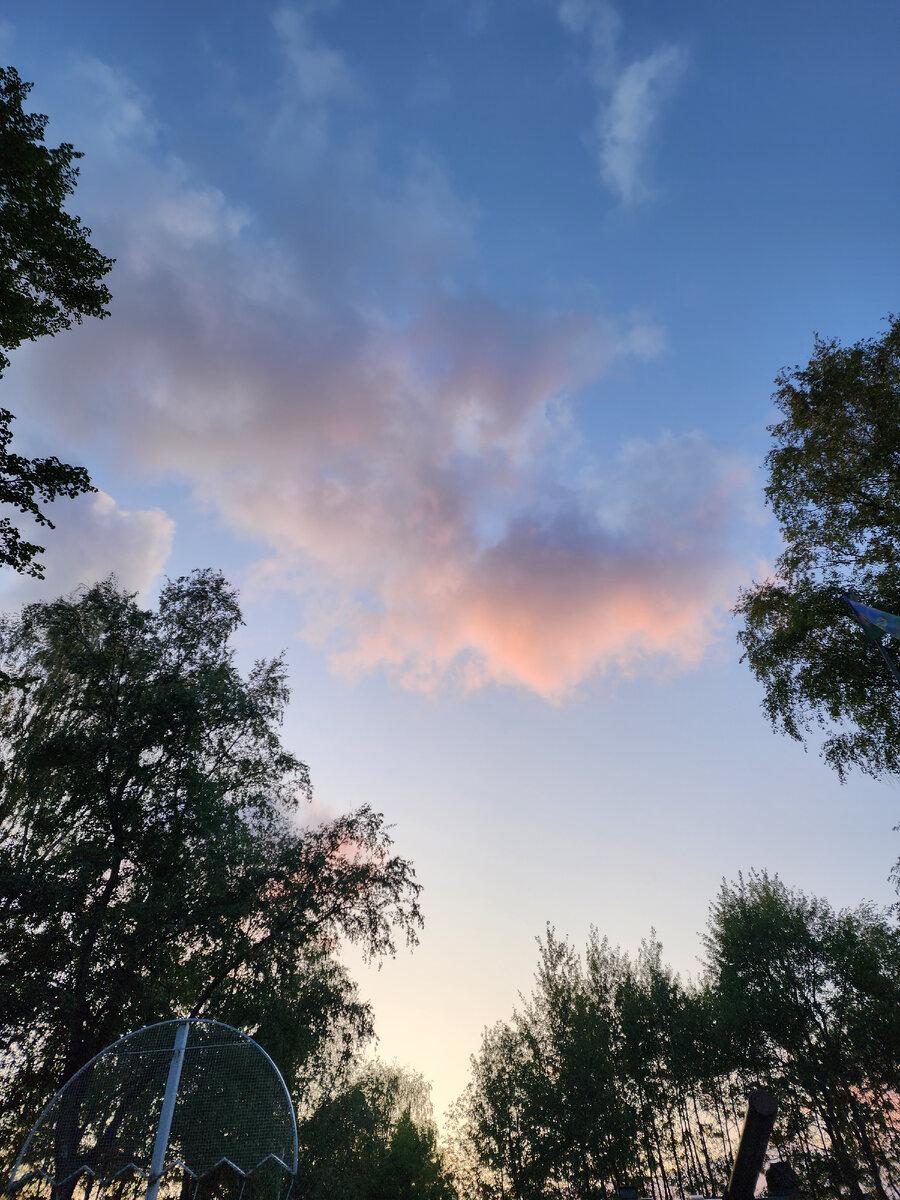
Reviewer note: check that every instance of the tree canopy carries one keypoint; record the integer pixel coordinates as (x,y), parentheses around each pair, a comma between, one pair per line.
(811,997)
(153,859)
(373,1138)
(834,487)
(614,1072)
(51,277)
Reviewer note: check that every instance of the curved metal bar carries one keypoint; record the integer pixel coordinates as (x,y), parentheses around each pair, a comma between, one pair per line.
(144,1029)
(287,1096)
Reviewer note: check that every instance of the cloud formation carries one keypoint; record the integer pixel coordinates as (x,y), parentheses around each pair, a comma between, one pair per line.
(612,576)
(630,95)
(94,537)
(407,447)
(319,73)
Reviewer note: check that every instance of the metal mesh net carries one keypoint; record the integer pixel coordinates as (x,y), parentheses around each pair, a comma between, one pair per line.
(232,1127)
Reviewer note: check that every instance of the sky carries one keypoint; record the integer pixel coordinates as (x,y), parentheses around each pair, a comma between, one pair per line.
(447,329)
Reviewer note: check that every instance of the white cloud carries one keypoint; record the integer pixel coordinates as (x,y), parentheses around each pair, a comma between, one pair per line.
(408,448)
(319,73)
(630,95)
(316,79)
(115,113)
(623,127)
(93,537)
(7,36)
(599,19)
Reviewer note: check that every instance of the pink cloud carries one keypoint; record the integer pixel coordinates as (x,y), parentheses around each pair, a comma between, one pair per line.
(410,452)
(557,600)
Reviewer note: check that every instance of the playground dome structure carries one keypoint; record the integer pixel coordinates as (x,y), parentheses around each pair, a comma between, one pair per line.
(187,1109)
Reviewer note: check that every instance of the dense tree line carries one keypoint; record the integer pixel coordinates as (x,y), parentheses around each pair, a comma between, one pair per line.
(614,1072)
(154,862)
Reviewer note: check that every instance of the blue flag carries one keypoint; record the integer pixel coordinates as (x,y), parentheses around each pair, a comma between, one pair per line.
(875,623)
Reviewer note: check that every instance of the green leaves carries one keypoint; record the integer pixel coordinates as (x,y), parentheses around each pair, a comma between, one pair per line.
(372,1138)
(834,486)
(50,274)
(561,1095)
(813,996)
(614,1072)
(152,861)
(50,278)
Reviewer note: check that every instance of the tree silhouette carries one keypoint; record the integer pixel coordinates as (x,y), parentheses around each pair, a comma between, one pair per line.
(51,277)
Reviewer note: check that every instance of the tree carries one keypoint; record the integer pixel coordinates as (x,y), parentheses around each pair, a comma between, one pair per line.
(373,1138)
(412,1167)
(614,1071)
(50,278)
(812,996)
(152,860)
(834,487)
(551,1110)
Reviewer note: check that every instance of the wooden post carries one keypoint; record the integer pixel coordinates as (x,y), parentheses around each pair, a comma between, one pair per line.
(748,1162)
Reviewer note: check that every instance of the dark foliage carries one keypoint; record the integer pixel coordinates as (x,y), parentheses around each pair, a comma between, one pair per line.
(834,486)
(153,862)
(372,1138)
(51,277)
(615,1073)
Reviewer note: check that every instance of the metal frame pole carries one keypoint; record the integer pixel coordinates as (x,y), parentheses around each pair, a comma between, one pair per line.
(891,664)
(161,1145)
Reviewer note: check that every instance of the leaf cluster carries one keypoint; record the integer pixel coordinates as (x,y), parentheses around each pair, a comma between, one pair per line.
(51,277)
(834,486)
(50,274)
(373,1139)
(153,859)
(812,996)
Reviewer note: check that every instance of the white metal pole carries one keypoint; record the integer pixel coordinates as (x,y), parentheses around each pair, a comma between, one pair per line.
(161,1145)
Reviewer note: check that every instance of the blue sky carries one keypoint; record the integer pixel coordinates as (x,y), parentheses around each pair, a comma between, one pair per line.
(448,331)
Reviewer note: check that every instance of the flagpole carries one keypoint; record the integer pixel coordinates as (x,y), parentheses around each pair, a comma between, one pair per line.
(892,666)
